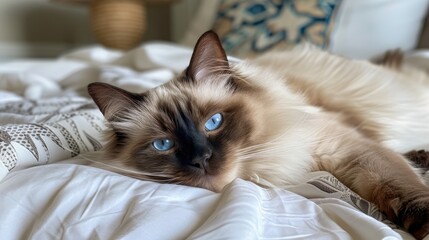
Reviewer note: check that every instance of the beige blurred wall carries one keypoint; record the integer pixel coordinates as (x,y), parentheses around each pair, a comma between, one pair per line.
(182,14)
(41,28)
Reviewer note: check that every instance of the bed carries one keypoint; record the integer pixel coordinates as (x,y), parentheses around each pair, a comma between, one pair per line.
(48,124)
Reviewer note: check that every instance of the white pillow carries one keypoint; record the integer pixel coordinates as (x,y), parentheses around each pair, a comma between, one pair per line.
(368,28)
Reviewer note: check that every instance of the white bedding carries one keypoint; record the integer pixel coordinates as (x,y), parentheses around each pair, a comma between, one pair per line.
(65,201)
(46,117)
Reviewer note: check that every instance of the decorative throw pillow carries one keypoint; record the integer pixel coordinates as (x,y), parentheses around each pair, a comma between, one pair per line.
(248,27)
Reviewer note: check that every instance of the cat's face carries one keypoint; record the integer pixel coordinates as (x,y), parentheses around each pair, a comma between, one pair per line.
(187,131)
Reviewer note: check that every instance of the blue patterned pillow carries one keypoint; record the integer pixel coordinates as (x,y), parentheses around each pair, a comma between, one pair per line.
(248,27)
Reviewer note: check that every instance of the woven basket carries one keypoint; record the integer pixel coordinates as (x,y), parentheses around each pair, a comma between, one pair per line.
(118,24)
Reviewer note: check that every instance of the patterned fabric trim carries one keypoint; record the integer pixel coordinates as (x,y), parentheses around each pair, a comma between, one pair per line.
(56,129)
(332,186)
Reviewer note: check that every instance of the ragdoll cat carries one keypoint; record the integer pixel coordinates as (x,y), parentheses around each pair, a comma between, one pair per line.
(272,119)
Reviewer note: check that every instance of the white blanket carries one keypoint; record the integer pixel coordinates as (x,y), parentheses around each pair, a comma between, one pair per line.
(63,201)
(46,117)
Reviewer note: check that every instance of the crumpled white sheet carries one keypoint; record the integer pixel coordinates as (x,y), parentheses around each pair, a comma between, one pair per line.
(65,201)
(145,67)
(140,69)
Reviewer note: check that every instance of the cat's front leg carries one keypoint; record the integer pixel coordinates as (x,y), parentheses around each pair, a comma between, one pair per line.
(382,177)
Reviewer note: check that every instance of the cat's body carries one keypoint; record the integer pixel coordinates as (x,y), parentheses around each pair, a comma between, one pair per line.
(281,116)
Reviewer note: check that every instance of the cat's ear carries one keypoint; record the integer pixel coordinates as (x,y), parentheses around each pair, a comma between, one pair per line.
(111,99)
(208,57)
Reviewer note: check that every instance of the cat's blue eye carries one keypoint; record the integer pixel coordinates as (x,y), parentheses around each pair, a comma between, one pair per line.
(214,122)
(163,144)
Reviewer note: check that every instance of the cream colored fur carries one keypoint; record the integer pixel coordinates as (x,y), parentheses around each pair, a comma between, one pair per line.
(392,104)
(361,99)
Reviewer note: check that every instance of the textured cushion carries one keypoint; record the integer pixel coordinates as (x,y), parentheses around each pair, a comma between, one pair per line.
(249,27)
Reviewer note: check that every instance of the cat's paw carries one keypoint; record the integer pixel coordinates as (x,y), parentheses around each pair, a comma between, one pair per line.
(422,233)
(419,157)
(393,59)
(414,216)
